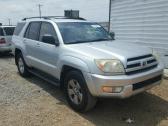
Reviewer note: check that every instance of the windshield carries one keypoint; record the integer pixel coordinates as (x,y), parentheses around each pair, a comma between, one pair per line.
(81,32)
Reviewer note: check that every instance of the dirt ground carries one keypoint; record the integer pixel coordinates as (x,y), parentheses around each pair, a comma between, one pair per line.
(33,102)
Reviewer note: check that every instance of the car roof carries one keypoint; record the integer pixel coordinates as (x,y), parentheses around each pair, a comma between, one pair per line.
(68,20)
(64,19)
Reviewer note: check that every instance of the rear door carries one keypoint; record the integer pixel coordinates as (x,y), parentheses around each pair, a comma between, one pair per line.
(31,43)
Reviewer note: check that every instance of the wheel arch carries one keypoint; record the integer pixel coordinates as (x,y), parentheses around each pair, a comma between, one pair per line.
(69,63)
(66,69)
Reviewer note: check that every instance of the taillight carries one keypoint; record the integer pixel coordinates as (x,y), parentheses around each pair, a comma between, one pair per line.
(2,41)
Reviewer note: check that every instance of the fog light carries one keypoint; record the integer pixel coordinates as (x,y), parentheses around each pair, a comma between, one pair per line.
(117,89)
(112,89)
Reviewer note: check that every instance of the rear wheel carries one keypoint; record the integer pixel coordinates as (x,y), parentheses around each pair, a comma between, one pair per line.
(77,93)
(21,65)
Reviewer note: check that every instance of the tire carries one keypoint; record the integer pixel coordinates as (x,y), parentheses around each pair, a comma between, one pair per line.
(77,93)
(21,65)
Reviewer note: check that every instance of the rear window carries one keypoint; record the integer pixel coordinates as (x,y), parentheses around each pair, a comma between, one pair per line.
(9,30)
(1,32)
(19,28)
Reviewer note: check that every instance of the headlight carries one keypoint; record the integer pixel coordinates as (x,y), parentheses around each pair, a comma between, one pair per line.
(156,54)
(110,66)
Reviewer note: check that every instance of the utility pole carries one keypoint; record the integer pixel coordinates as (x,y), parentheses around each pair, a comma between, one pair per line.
(39,6)
(109,23)
(9,20)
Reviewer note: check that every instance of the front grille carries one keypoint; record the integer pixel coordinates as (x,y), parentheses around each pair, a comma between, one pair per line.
(147,82)
(140,64)
(140,57)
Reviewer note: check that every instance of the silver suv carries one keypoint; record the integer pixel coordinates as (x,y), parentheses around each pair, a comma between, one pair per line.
(82,58)
(6,33)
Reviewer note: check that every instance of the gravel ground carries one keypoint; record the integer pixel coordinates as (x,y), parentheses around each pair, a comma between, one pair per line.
(33,102)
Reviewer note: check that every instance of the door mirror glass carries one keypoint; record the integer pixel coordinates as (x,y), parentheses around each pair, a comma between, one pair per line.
(49,39)
(112,34)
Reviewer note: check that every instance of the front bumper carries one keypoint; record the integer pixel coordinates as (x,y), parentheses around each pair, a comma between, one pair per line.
(96,82)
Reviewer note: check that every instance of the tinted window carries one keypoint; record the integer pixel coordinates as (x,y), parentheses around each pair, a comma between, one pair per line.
(18,28)
(47,29)
(9,30)
(1,32)
(33,31)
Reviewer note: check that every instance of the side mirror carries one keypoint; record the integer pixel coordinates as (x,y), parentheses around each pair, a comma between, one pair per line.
(50,40)
(112,34)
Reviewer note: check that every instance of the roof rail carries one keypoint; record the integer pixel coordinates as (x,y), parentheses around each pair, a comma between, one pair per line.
(55,17)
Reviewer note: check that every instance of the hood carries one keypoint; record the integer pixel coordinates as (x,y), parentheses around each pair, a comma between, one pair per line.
(110,50)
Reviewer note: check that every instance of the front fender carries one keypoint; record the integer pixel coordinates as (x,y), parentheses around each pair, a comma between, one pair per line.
(81,65)
(73,62)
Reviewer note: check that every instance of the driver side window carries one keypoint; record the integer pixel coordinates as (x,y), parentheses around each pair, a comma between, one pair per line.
(47,29)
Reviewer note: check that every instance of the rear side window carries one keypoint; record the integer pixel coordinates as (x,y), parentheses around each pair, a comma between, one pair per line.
(9,30)
(19,28)
(32,31)
(1,32)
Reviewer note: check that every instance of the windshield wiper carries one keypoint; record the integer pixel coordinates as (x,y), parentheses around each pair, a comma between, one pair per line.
(96,40)
(77,42)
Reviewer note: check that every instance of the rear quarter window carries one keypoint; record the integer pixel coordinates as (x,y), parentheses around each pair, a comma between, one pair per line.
(19,28)
(9,30)
(1,32)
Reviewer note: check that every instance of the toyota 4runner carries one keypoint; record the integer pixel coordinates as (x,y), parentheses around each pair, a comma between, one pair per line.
(82,58)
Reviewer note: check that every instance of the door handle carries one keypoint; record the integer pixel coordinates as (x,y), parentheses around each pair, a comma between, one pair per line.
(166,55)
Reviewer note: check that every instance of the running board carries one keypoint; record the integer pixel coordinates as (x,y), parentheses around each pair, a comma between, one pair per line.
(45,77)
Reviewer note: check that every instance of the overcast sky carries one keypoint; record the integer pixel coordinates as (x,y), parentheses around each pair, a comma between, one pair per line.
(94,10)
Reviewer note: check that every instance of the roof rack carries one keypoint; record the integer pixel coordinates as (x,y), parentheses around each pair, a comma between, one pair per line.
(55,17)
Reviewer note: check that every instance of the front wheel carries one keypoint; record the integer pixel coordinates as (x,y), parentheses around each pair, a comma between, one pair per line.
(77,93)
(21,65)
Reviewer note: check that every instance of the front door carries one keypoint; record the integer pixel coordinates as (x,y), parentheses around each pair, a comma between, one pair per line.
(47,53)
